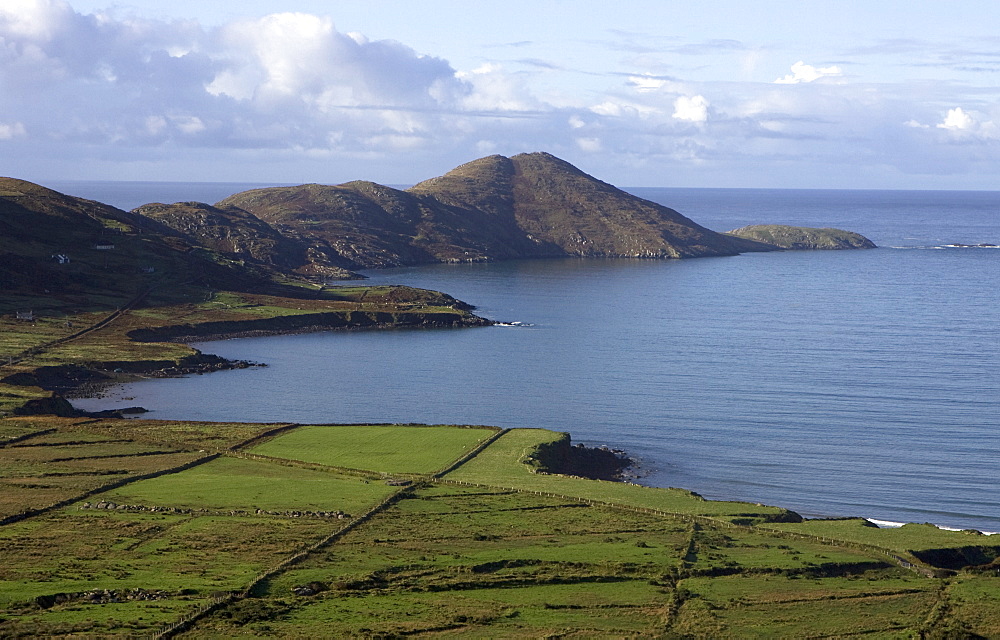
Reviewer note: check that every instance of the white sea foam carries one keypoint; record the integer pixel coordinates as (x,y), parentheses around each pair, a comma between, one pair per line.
(885,524)
(889,524)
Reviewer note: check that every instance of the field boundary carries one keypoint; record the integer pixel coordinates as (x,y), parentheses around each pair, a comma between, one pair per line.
(31,513)
(26,436)
(168,631)
(471,454)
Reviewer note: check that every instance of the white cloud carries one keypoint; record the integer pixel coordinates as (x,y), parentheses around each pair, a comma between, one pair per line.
(189,125)
(646,84)
(691,108)
(493,89)
(957,120)
(289,90)
(969,126)
(11,131)
(802,72)
(616,108)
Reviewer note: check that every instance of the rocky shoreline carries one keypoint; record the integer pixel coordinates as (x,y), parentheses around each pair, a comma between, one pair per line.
(595,463)
(306,323)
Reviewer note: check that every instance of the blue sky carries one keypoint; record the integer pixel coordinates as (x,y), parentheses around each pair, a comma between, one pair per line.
(876,94)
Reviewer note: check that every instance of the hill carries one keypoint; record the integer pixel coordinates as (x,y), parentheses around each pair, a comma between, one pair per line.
(58,250)
(532,205)
(87,289)
(247,238)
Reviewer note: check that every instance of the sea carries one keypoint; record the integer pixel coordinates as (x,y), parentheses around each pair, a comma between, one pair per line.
(833,383)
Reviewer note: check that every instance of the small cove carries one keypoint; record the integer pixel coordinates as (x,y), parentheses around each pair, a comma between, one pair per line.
(843,383)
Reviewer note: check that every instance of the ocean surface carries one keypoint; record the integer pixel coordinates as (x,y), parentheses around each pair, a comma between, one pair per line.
(856,383)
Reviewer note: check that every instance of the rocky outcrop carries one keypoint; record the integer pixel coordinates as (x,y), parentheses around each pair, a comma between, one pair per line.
(803,238)
(562,457)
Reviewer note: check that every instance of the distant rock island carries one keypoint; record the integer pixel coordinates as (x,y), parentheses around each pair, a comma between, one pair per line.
(531,205)
(802,238)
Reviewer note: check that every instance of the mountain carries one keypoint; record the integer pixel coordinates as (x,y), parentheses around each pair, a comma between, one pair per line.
(528,206)
(564,211)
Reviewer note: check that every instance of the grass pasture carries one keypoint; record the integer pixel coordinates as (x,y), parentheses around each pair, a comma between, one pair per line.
(887,616)
(54,466)
(210,436)
(505,553)
(226,484)
(384,449)
(183,559)
(475,563)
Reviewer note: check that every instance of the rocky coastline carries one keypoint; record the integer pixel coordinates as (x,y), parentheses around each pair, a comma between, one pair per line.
(595,463)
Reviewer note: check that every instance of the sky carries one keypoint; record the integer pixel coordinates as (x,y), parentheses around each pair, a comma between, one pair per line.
(873,94)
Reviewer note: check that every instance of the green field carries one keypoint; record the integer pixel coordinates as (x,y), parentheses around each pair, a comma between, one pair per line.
(382,449)
(311,526)
(237,484)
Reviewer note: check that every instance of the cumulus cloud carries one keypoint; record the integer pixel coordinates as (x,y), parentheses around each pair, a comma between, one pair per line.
(691,108)
(802,72)
(491,88)
(965,125)
(284,80)
(957,120)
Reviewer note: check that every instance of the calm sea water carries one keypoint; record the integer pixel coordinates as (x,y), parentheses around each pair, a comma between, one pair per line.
(833,383)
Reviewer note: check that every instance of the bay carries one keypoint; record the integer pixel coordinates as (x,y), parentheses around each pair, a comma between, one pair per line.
(833,383)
